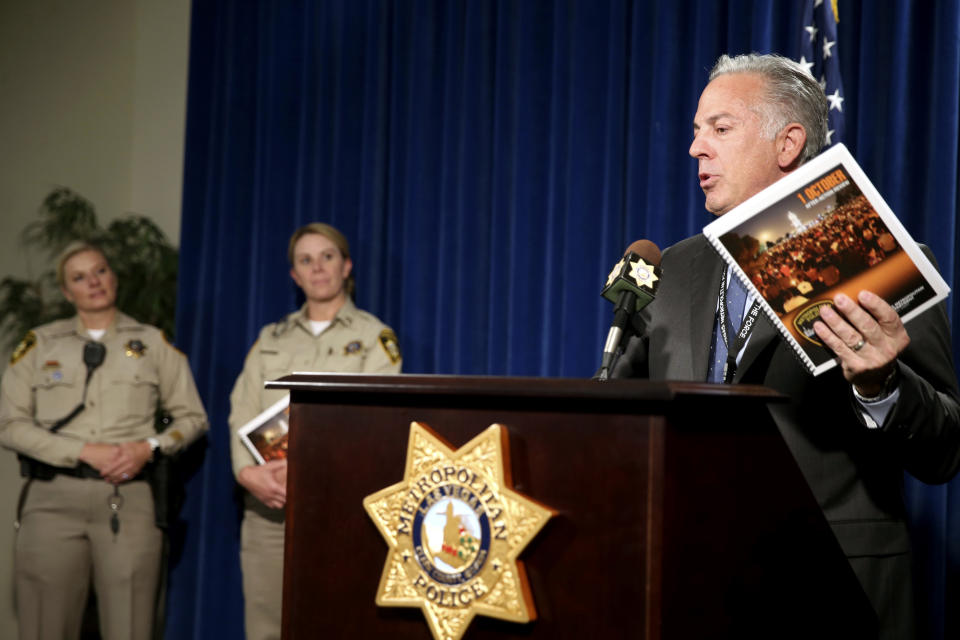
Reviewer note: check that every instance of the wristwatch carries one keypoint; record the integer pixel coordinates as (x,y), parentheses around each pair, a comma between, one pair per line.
(889,385)
(154,445)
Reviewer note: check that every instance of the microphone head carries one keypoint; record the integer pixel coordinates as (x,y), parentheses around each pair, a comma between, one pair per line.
(93,354)
(646,250)
(638,271)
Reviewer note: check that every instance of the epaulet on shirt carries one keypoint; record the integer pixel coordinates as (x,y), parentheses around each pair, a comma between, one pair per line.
(366,316)
(49,331)
(163,336)
(58,328)
(282,325)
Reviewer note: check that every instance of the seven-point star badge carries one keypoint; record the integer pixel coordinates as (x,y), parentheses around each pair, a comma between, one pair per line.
(454,528)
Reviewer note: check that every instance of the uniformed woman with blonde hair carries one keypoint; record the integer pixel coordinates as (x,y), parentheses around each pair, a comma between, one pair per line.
(328,333)
(79,400)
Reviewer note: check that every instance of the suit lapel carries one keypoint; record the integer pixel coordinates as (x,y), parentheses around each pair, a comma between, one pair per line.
(705,269)
(763,334)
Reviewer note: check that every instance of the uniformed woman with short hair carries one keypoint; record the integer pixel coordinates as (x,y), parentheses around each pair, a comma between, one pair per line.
(327,334)
(79,400)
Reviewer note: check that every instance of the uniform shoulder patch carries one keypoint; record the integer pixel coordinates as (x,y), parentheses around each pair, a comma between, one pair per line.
(28,342)
(388,340)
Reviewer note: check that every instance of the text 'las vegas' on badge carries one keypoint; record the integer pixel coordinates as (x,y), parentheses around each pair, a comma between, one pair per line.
(454,528)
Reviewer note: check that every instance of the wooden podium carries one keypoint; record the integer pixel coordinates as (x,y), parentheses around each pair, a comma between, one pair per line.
(680,511)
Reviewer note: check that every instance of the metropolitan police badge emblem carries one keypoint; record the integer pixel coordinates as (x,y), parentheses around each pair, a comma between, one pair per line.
(454,528)
(805,318)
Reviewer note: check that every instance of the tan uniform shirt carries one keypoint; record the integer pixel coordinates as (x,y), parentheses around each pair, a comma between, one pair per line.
(140,370)
(355,342)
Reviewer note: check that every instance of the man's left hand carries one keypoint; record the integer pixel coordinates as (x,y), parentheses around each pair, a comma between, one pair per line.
(866,337)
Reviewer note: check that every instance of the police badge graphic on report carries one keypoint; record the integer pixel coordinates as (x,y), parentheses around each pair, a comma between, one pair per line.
(454,529)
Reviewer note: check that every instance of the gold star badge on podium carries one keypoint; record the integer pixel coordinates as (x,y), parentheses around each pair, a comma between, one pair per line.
(454,528)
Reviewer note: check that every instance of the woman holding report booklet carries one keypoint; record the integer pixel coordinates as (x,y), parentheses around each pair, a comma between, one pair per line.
(327,334)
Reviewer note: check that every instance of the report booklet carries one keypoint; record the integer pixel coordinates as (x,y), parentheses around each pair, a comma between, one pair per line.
(266,435)
(819,231)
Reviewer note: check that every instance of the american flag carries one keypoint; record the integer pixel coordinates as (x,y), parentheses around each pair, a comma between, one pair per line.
(818,54)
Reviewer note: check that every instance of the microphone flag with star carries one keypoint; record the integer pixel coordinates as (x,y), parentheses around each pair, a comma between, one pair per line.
(819,55)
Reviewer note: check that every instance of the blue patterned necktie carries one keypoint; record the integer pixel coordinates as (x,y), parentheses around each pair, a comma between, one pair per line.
(736,301)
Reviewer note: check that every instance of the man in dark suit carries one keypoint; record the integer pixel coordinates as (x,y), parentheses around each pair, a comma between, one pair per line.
(891,405)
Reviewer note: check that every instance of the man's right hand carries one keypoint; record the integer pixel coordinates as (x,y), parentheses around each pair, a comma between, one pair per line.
(267,482)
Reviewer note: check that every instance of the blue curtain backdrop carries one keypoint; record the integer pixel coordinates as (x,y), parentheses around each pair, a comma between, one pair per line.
(489,161)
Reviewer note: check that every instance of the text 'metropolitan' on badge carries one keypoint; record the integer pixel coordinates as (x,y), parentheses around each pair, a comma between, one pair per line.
(454,528)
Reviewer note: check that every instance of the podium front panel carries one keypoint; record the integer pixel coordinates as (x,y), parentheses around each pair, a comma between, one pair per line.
(671,522)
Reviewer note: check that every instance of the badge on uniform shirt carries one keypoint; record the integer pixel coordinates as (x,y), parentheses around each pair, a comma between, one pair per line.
(354,347)
(388,340)
(28,342)
(135,349)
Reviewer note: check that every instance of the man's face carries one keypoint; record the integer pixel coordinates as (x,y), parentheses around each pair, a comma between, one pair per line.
(736,161)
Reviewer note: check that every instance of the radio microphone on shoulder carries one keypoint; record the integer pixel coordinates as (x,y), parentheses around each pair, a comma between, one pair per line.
(93,354)
(631,285)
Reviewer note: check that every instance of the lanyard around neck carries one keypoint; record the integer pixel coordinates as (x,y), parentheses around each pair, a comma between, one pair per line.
(741,335)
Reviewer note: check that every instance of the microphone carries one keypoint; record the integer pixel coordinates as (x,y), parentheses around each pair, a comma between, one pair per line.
(93,354)
(631,285)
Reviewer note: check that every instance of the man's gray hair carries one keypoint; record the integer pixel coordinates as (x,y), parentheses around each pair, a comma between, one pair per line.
(793,95)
